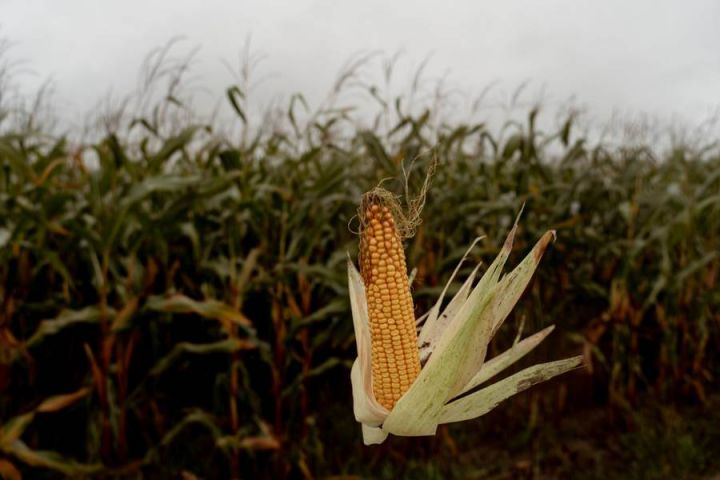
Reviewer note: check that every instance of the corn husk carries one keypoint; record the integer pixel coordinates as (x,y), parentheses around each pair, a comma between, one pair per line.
(453,344)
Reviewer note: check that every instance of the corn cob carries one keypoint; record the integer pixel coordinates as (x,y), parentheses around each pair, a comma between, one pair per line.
(394,352)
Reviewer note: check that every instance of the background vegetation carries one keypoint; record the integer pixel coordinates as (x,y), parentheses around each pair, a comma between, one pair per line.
(173,290)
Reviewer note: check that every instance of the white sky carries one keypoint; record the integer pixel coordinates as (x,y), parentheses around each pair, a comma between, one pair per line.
(659,57)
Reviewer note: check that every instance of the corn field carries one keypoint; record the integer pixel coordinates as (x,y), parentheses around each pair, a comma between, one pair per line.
(173,296)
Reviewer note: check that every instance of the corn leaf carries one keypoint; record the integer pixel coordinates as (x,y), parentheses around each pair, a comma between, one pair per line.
(67,318)
(14,428)
(8,471)
(229,345)
(52,460)
(210,308)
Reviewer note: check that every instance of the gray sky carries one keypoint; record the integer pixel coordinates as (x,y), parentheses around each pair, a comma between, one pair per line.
(654,56)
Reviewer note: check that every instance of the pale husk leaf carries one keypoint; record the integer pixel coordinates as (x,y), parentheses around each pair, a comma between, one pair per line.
(464,340)
(366,409)
(436,324)
(373,435)
(513,284)
(484,400)
(417,411)
(496,365)
(501,300)
(428,335)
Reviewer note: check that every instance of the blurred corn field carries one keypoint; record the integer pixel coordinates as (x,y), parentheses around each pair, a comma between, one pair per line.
(173,293)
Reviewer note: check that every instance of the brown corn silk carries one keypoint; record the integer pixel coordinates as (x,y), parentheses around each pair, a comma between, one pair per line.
(394,351)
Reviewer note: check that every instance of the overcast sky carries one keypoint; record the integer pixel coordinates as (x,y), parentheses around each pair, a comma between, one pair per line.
(654,56)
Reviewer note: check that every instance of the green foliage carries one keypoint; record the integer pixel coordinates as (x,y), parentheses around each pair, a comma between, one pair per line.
(193,286)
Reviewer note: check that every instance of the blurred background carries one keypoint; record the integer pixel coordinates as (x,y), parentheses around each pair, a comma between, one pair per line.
(179,184)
